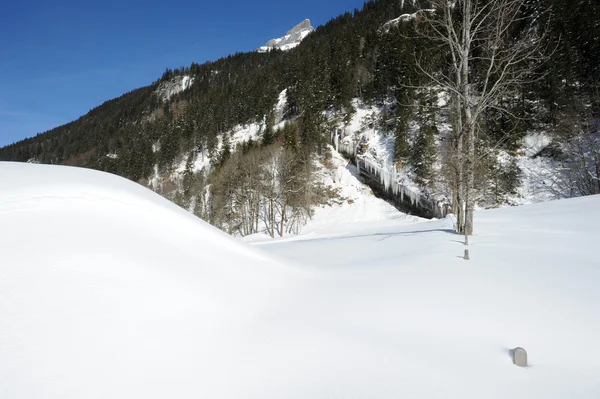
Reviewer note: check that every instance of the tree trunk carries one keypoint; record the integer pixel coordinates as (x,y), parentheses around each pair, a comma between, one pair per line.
(469,127)
(469,205)
(458,159)
(272,217)
(282,219)
(459,206)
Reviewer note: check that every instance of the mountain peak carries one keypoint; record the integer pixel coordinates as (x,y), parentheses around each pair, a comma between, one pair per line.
(291,39)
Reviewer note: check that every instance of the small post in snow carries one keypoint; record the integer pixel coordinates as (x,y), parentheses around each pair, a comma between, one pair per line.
(519,356)
(467,255)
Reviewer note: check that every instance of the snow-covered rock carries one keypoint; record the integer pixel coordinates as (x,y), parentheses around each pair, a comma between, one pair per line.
(291,39)
(416,16)
(168,89)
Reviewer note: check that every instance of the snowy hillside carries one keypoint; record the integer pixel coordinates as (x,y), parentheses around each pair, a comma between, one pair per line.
(540,179)
(353,207)
(108,290)
(291,39)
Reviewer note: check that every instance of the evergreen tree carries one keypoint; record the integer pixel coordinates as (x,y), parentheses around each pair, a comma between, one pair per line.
(423,154)
(268,136)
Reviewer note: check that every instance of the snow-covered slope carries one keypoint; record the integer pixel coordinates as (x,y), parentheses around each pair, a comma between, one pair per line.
(353,208)
(291,39)
(108,290)
(434,325)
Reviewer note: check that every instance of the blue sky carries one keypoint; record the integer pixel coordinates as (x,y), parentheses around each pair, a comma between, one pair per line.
(59,59)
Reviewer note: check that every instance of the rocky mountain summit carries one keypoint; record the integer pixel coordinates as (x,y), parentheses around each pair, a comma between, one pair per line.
(291,39)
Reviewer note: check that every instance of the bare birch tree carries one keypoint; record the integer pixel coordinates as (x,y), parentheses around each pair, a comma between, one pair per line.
(493,49)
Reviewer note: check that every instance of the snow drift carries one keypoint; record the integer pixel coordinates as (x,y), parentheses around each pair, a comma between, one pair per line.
(108,290)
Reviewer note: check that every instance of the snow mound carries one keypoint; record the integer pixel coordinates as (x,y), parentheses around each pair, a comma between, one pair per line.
(109,290)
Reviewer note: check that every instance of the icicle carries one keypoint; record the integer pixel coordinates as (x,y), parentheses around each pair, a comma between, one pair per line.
(388,179)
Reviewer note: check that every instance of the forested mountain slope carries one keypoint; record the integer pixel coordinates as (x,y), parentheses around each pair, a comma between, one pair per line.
(178,134)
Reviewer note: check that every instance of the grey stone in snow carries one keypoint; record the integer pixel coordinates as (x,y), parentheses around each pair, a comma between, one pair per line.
(519,357)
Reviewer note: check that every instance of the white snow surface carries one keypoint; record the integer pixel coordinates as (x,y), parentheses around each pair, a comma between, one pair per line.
(108,290)
(433,325)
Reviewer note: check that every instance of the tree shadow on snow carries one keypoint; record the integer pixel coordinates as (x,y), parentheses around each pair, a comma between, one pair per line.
(384,235)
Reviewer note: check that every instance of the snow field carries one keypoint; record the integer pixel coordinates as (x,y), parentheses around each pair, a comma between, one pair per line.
(108,290)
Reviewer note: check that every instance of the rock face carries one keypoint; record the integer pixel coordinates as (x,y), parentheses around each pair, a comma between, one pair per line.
(291,39)
(168,89)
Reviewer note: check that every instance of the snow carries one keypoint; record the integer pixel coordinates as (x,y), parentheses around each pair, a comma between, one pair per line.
(356,206)
(541,178)
(244,133)
(378,156)
(434,325)
(238,135)
(364,128)
(280,108)
(186,82)
(536,142)
(108,290)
